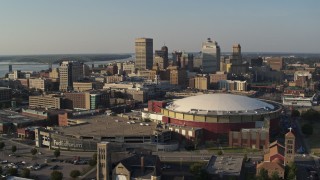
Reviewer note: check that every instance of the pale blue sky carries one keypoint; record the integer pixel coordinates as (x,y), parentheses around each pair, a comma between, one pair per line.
(110,26)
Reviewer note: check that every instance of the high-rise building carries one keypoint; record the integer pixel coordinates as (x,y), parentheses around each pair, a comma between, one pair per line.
(10,68)
(69,72)
(161,58)
(210,56)
(237,65)
(236,50)
(276,63)
(236,54)
(144,53)
(178,76)
(176,56)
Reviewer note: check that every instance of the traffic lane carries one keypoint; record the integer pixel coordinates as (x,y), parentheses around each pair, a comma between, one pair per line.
(304,164)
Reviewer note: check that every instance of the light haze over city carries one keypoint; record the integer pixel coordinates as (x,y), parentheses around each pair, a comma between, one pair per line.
(79,26)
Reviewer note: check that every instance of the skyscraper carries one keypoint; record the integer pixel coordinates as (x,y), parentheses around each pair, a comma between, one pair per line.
(69,71)
(144,53)
(161,57)
(10,68)
(210,56)
(236,52)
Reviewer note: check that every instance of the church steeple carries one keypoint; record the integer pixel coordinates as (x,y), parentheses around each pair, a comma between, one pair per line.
(289,147)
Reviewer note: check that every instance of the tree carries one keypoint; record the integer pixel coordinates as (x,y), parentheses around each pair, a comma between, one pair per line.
(33,151)
(307,129)
(25,173)
(93,161)
(56,175)
(295,113)
(12,171)
(245,157)
(263,174)
(2,145)
(13,148)
(290,171)
(275,176)
(56,153)
(75,173)
(195,168)
(310,115)
(203,174)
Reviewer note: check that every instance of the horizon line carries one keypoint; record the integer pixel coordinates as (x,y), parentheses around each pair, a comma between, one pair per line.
(56,54)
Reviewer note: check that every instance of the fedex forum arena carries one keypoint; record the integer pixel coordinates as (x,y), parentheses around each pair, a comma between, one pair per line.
(217,114)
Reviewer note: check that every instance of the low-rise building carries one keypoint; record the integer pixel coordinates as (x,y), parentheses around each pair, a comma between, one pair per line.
(278,156)
(215,78)
(115,78)
(257,138)
(225,167)
(199,82)
(230,85)
(86,86)
(80,100)
(46,101)
(40,83)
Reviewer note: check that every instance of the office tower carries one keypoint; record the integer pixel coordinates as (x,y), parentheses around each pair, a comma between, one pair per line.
(276,63)
(186,61)
(69,72)
(236,49)
(176,56)
(144,53)
(161,58)
(10,68)
(236,53)
(210,56)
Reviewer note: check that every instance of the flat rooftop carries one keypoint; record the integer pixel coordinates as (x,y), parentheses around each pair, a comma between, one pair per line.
(7,116)
(225,165)
(109,126)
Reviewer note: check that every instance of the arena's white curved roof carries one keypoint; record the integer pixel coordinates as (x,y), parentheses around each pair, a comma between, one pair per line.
(218,102)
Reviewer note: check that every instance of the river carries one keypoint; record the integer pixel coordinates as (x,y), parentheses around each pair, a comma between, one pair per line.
(33,66)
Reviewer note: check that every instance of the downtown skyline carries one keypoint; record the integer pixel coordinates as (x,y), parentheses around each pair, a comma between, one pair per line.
(111,27)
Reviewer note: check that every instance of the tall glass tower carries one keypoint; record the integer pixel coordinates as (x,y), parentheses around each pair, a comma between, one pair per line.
(210,56)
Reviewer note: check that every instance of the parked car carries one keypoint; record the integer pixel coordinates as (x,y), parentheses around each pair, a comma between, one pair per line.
(54,167)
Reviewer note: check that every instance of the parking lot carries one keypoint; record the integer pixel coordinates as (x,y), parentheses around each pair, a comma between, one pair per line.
(43,163)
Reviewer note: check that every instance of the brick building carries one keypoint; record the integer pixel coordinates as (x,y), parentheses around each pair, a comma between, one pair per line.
(249,138)
(77,100)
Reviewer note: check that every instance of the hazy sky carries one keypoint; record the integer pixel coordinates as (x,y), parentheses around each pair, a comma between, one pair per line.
(110,26)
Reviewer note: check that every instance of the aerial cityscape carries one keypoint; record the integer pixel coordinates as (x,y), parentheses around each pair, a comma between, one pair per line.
(159,90)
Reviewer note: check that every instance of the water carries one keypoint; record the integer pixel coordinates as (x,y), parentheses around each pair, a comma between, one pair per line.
(33,66)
